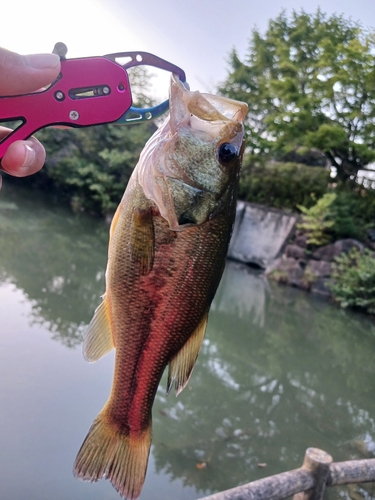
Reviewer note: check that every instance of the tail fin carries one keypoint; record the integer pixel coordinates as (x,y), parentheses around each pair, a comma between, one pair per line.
(121,458)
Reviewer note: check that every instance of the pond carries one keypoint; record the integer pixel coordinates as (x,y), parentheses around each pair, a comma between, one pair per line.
(279,371)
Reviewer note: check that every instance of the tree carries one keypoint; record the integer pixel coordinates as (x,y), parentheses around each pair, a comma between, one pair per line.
(310,83)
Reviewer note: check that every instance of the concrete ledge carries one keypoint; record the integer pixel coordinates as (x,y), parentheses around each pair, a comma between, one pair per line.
(260,234)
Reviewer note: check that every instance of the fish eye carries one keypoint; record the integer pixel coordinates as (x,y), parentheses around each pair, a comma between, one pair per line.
(227,151)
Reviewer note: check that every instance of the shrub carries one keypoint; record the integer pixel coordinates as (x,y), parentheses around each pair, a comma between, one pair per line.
(282,185)
(317,220)
(347,224)
(353,211)
(354,280)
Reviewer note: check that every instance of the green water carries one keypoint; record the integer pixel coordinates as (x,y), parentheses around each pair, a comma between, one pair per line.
(279,371)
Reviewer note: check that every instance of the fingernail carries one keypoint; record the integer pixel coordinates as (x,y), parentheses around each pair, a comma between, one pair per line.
(43,61)
(29,156)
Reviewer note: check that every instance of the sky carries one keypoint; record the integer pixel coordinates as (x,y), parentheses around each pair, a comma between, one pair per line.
(196,35)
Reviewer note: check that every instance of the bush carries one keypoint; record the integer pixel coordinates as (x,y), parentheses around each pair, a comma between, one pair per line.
(344,213)
(354,280)
(353,211)
(346,223)
(317,220)
(282,185)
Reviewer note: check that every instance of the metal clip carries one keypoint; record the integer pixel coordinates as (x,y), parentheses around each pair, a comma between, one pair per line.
(137,115)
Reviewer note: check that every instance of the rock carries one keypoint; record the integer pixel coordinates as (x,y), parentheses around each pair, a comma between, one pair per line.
(316,275)
(320,268)
(344,246)
(320,287)
(288,271)
(329,252)
(295,252)
(301,241)
(324,253)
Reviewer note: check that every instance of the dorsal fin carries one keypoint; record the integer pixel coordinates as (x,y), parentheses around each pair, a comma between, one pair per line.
(181,366)
(98,340)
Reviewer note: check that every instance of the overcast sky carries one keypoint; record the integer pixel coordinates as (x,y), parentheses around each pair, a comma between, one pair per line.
(194,34)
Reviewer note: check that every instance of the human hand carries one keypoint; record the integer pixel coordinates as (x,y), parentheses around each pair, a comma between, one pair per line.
(21,75)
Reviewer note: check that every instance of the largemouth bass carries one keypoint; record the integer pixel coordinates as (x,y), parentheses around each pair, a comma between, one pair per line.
(168,243)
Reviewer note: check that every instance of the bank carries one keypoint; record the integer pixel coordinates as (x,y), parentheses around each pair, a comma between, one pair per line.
(269,239)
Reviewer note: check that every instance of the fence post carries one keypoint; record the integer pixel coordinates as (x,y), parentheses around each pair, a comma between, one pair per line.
(317,462)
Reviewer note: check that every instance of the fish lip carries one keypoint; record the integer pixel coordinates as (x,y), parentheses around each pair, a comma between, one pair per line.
(235,111)
(218,109)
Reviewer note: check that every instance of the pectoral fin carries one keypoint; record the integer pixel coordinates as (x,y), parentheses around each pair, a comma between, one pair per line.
(114,223)
(142,239)
(181,366)
(98,340)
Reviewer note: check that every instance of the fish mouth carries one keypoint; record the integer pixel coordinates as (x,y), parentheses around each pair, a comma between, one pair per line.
(217,116)
(182,168)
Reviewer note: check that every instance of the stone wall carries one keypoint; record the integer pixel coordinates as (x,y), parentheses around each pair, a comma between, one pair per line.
(260,234)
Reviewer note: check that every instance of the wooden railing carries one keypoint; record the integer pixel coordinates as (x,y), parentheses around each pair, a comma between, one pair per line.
(306,483)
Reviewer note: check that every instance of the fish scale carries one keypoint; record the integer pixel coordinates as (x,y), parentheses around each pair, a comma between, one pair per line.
(166,257)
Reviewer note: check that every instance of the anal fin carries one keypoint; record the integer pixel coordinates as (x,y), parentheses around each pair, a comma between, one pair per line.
(181,366)
(98,340)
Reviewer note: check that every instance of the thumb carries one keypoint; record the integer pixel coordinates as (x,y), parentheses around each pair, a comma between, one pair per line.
(23,74)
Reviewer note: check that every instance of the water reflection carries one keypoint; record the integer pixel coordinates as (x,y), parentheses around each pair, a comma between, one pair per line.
(242,293)
(56,258)
(266,389)
(279,370)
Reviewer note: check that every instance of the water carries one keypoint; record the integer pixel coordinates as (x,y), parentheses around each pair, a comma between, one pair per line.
(279,371)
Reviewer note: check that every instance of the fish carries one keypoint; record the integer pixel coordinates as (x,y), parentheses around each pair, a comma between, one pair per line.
(167,250)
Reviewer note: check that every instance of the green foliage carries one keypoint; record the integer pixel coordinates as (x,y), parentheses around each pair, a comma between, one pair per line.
(282,185)
(346,225)
(317,219)
(348,212)
(363,204)
(353,212)
(354,280)
(309,81)
(91,167)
